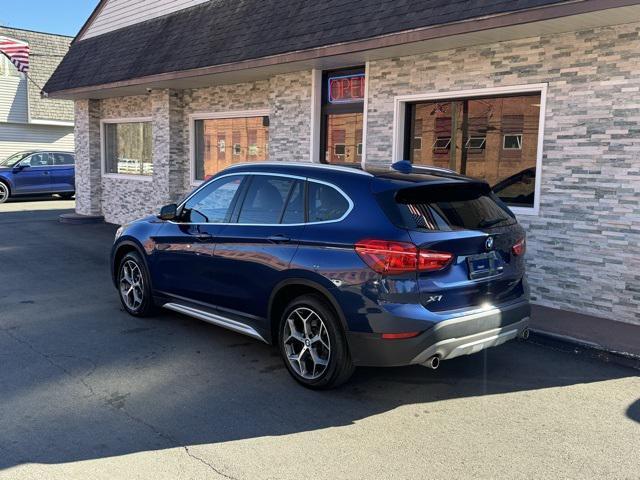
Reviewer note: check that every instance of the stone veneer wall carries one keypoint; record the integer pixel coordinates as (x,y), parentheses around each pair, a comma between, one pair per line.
(120,200)
(584,246)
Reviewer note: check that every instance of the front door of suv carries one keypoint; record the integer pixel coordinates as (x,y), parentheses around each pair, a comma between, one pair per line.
(253,251)
(33,174)
(183,263)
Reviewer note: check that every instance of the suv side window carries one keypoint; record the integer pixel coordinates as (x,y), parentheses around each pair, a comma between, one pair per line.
(37,160)
(214,203)
(325,203)
(62,158)
(294,211)
(265,199)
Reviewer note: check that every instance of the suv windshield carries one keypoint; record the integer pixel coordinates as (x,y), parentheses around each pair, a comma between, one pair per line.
(445,207)
(13,159)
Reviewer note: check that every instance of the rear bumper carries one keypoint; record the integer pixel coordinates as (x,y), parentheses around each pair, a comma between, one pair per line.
(447,339)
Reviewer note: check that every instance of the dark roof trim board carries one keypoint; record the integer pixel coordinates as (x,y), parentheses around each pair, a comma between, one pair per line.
(62,82)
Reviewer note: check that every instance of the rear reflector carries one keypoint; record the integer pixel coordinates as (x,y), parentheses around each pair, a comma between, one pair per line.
(519,248)
(400,336)
(400,257)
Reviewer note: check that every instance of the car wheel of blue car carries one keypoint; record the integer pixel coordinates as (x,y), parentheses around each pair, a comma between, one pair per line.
(134,286)
(4,192)
(313,344)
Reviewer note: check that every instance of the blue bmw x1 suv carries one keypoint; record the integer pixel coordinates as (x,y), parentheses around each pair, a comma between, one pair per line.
(337,266)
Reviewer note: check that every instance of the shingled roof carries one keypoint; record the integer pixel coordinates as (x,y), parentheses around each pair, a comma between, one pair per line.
(227,31)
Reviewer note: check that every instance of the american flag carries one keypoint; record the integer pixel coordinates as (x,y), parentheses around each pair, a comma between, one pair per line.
(16,51)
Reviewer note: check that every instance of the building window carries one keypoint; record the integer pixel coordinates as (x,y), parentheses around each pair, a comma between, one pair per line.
(494,138)
(476,143)
(128,148)
(441,144)
(512,142)
(8,69)
(342,116)
(246,136)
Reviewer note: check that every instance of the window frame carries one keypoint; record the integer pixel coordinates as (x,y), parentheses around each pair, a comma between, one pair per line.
(509,149)
(196,116)
(400,120)
(103,148)
(248,175)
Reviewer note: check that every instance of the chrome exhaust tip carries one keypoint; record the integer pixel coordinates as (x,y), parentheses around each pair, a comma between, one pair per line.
(433,363)
(525,334)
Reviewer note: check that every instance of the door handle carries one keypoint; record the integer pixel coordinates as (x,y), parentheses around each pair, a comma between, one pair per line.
(203,236)
(45,173)
(279,239)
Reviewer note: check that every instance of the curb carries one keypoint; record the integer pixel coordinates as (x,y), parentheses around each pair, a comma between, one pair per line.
(580,347)
(76,219)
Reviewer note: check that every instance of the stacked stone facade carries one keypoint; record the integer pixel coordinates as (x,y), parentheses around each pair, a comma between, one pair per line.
(584,244)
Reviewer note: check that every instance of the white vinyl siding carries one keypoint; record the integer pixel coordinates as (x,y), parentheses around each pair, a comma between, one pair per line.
(13,100)
(15,138)
(123,13)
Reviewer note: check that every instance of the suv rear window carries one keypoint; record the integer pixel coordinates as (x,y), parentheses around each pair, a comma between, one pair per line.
(446,207)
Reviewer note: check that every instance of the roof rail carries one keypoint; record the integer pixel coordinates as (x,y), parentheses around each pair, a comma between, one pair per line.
(355,169)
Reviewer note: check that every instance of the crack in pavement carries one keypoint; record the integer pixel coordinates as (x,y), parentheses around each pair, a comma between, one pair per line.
(169,439)
(203,461)
(49,360)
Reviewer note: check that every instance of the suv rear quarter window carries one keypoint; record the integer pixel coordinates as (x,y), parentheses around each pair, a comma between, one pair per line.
(325,203)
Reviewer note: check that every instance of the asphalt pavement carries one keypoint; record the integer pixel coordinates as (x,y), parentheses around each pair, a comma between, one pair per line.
(87,392)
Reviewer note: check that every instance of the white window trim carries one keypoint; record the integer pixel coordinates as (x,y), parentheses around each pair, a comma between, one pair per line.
(504,141)
(103,153)
(399,110)
(193,117)
(468,144)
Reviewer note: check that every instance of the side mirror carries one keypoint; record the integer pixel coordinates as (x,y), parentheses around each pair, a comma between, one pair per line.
(20,167)
(169,212)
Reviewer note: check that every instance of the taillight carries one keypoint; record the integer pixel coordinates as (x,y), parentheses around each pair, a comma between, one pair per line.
(519,247)
(400,257)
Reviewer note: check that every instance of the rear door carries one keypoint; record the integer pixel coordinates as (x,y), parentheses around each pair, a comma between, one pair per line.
(34,174)
(253,251)
(468,221)
(63,172)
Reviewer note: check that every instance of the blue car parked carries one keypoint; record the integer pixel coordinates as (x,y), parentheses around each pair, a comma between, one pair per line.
(336,266)
(37,172)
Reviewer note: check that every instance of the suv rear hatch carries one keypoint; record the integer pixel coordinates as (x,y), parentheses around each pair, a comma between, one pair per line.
(464,218)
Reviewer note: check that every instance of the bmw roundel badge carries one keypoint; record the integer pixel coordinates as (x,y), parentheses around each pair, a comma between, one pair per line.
(489,243)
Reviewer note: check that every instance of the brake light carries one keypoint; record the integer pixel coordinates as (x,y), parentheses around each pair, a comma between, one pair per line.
(400,257)
(519,248)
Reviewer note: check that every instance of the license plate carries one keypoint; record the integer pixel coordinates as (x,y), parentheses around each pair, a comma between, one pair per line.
(484,265)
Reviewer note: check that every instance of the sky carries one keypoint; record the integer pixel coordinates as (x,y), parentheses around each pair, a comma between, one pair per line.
(64,17)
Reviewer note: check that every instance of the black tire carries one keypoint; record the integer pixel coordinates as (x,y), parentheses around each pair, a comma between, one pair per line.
(66,196)
(340,366)
(5,192)
(146,307)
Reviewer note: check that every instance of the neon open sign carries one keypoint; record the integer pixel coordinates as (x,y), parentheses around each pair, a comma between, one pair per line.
(347,88)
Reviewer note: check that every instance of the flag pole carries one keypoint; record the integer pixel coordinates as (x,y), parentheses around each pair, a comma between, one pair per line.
(43,94)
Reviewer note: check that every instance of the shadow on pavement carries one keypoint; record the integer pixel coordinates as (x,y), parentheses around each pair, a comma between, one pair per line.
(82,380)
(633,412)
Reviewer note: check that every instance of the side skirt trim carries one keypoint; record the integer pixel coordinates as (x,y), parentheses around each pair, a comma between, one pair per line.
(215,319)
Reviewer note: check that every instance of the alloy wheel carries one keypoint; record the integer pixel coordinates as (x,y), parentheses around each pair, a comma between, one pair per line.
(4,193)
(131,285)
(306,343)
